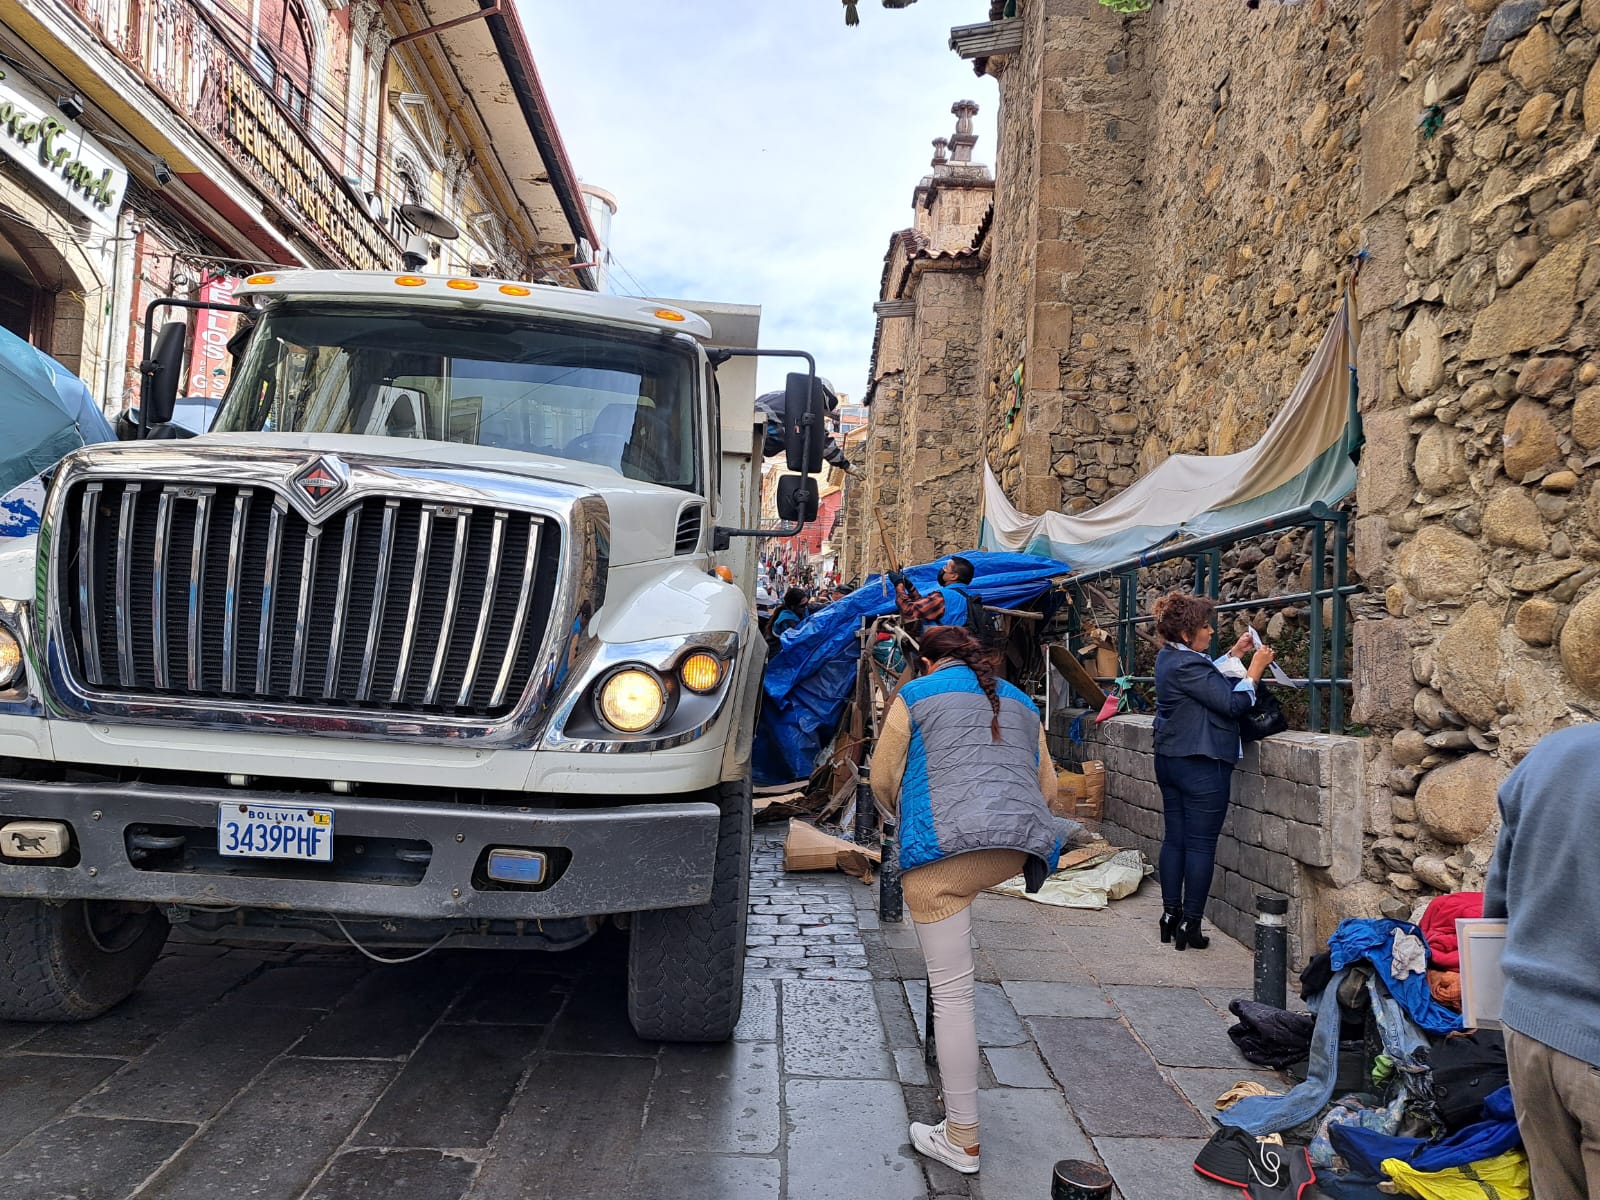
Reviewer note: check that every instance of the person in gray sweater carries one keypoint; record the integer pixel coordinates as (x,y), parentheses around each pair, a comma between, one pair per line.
(1544,882)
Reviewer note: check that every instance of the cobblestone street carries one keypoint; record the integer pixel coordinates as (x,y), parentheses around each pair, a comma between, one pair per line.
(278,1075)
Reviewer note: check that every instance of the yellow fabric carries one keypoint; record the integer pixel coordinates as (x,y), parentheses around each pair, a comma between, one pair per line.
(1240,1090)
(1503,1177)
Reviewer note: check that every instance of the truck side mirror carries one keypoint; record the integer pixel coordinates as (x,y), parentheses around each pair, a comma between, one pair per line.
(804,424)
(797,496)
(162,374)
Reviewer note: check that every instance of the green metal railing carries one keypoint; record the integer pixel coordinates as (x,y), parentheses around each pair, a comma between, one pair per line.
(1327,672)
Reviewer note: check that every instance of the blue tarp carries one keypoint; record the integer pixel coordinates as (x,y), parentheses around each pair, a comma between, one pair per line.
(45,412)
(809,681)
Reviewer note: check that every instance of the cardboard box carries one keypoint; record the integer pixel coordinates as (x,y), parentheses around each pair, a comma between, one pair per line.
(1081,791)
(807,848)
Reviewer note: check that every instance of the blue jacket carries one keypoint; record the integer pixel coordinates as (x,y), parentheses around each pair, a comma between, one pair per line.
(1197,707)
(955,604)
(962,790)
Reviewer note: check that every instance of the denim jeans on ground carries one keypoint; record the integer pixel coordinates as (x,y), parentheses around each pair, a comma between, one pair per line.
(1194,795)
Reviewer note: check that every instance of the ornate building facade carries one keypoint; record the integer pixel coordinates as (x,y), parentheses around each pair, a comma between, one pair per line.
(220,136)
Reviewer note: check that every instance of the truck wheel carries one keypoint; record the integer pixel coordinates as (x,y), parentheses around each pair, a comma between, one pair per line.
(73,961)
(686,965)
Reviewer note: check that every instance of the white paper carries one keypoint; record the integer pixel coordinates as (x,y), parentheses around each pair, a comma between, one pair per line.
(1483,985)
(1277,672)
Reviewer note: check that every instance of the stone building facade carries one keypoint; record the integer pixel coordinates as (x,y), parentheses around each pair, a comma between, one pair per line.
(1180,197)
(924,386)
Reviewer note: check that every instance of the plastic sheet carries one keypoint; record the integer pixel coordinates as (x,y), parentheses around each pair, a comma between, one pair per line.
(46,412)
(810,679)
(1086,887)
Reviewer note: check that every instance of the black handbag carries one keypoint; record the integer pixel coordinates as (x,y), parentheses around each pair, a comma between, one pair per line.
(1263,718)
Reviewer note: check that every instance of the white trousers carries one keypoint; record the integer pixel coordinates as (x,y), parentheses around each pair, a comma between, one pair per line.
(947,947)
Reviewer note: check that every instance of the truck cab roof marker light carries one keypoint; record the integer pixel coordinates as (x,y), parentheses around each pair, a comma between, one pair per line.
(410,280)
(261,280)
(462,285)
(515,289)
(668,314)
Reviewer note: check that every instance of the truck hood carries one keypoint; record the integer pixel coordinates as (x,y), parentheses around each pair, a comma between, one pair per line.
(644,516)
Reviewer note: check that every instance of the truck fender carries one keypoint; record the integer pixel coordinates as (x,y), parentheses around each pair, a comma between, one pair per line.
(747,707)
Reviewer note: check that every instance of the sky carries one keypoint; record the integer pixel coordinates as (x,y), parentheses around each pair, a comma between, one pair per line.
(761,152)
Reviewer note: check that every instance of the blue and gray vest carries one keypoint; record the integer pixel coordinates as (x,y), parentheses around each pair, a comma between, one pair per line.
(962,791)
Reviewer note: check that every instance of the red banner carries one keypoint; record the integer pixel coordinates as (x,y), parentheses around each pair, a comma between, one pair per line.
(209,361)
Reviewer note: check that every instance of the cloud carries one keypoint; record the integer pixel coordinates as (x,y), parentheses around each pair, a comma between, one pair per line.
(760,151)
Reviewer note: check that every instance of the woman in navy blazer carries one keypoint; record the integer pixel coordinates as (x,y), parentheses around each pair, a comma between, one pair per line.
(1197,744)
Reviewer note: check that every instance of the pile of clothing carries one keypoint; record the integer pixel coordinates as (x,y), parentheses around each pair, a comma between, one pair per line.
(1423,1106)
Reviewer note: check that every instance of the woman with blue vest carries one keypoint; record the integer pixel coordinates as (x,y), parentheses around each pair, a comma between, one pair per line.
(1197,744)
(963,758)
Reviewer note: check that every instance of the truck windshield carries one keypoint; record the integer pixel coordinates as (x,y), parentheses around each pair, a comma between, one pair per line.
(483,380)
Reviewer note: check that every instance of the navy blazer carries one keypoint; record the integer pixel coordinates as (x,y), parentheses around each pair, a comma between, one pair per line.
(1197,706)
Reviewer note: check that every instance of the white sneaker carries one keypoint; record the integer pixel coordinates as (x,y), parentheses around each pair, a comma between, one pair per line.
(935,1143)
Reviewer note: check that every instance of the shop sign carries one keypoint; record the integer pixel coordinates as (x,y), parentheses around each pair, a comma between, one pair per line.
(258,131)
(209,361)
(57,152)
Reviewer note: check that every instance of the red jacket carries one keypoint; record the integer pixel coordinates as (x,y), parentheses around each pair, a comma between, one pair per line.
(1439,926)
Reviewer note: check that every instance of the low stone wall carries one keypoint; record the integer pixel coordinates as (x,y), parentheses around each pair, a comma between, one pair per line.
(1294,826)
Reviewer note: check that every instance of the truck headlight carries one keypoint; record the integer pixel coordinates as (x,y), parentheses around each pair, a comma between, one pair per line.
(701,672)
(10,659)
(632,700)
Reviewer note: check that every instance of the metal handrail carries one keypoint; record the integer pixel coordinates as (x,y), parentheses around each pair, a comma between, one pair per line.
(1329,681)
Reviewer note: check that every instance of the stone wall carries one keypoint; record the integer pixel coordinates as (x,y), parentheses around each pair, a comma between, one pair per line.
(1179,199)
(1250,164)
(1294,825)
(939,420)
(1479,502)
(1068,237)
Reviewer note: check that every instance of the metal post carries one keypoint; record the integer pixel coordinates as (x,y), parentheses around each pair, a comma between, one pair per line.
(1272,949)
(1319,548)
(866,809)
(1341,554)
(1128,611)
(891,901)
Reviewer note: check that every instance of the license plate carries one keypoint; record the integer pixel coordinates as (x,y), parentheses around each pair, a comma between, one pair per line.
(275,831)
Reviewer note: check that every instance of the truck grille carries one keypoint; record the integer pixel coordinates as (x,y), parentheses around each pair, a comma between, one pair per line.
(171,589)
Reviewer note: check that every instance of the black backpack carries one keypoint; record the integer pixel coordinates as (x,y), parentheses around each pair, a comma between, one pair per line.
(1466,1067)
(981,623)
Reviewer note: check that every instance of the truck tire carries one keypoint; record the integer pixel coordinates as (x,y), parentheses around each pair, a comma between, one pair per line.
(686,965)
(74,960)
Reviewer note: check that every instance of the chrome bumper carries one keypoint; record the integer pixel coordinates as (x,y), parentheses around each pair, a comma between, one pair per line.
(636,856)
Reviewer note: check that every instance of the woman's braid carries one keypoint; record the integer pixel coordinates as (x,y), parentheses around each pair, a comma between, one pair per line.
(951,641)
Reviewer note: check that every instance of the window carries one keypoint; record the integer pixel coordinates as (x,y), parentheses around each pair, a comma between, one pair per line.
(542,388)
(283,53)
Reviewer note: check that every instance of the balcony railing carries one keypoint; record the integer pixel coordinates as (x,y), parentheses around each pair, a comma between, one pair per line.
(186,56)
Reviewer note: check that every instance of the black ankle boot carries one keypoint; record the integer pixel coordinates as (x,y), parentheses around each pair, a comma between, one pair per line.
(1188,934)
(1169,922)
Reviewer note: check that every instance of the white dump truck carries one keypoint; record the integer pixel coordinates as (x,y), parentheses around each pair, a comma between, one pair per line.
(441,636)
